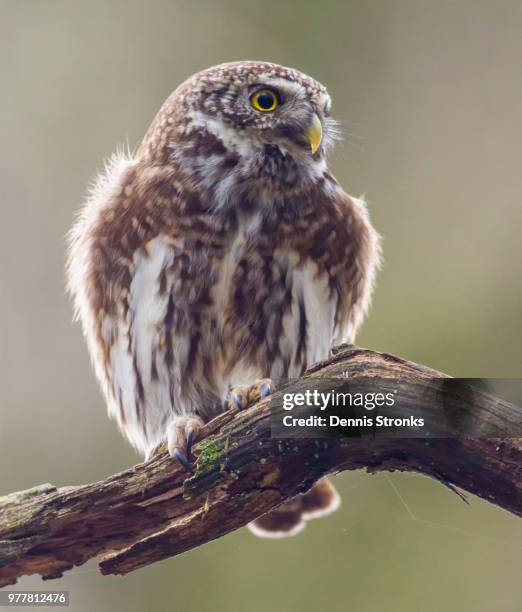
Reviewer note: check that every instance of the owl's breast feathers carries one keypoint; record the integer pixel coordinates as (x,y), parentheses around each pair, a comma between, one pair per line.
(180,297)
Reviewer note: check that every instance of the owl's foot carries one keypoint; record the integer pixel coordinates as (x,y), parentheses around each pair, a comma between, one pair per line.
(182,432)
(242,397)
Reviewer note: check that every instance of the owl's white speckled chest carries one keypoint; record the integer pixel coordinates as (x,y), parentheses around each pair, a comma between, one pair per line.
(293,328)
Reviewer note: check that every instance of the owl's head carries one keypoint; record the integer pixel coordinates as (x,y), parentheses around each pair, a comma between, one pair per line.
(251,107)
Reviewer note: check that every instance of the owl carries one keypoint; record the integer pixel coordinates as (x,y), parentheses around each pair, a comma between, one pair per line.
(220,258)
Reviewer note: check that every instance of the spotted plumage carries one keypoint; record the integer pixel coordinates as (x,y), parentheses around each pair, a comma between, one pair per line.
(220,253)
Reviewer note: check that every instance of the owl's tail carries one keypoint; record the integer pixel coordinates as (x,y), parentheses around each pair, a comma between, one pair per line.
(290,518)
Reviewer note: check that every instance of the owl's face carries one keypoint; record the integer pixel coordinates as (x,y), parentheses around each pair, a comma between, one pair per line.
(253,105)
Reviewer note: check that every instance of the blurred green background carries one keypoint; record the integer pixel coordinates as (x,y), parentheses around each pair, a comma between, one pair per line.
(429,95)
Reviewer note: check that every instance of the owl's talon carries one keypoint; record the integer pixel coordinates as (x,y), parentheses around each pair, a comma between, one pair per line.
(265,390)
(182,458)
(182,432)
(242,397)
(190,440)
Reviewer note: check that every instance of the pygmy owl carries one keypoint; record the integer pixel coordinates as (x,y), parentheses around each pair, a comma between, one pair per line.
(219,258)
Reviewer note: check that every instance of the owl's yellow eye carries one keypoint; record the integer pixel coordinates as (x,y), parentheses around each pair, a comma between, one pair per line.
(264,100)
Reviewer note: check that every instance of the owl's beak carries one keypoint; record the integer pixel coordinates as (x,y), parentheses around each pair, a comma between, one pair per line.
(314,134)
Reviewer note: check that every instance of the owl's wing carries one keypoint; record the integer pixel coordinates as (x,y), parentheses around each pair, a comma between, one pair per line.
(139,271)
(356,276)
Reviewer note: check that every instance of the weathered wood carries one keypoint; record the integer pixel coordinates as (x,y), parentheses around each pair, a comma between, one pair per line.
(154,511)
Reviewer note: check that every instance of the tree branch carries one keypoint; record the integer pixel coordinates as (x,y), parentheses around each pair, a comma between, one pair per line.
(154,511)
